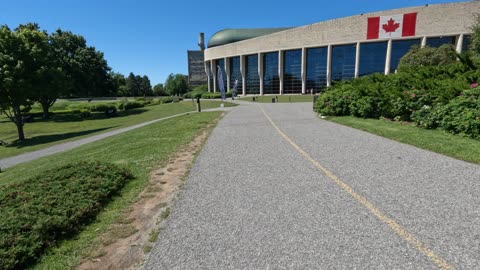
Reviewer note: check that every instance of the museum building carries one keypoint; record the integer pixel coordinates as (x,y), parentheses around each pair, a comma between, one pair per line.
(307,59)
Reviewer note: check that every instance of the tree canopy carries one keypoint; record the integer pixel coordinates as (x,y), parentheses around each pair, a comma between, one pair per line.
(176,84)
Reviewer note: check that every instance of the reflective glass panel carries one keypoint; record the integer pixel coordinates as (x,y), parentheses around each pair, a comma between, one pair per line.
(343,62)
(436,42)
(317,69)
(399,49)
(372,58)
(252,78)
(271,82)
(466,42)
(292,72)
(235,74)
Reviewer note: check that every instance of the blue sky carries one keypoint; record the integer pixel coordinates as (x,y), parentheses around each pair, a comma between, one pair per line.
(151,38)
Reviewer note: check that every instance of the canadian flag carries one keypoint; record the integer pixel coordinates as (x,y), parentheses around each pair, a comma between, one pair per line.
(402,25)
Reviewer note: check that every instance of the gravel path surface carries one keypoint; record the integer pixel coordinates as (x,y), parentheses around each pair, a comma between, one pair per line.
(12,161)
(252,201)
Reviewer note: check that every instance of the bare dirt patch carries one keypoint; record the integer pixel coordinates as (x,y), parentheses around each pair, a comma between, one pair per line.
(126,242)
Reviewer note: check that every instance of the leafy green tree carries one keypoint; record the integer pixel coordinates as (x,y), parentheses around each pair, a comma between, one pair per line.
(133,85)
(145,86)
(119,82)
(159,90)
(176,84)
(428,56)
(475,40)
(22,56)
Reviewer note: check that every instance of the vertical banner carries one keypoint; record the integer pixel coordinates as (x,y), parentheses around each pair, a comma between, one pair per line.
(220,82)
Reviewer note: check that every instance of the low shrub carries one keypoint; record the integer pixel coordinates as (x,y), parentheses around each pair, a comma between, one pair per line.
(101,107)
(460,116)
(211,95)
(53,206)
(129,105)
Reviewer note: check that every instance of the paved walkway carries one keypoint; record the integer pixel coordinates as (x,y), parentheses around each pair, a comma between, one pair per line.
(12,161)
(277,188)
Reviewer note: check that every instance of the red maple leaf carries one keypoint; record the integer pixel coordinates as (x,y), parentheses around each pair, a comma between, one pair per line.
(391,26)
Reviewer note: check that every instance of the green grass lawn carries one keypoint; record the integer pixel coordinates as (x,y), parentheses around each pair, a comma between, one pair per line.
(63,128)
(434,140)
(281,98)
(140,150)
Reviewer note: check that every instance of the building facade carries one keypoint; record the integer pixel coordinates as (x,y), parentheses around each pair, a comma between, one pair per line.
(306,59)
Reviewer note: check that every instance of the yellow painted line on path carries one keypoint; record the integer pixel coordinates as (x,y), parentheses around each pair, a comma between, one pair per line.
(397,228)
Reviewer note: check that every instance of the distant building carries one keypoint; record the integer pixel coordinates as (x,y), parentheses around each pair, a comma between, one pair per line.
(301,59)
(196,67)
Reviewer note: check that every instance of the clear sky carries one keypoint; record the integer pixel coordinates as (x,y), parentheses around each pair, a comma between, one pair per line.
(149,37)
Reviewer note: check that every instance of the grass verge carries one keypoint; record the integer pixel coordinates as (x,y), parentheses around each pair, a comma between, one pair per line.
(281,98)
(139,150)
(434,140)
(62,128)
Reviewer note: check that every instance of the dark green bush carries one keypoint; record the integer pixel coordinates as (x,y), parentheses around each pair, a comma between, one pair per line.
(211,95)
(129,105)
(38,212)
(460,116)
(428,56)
(101,107)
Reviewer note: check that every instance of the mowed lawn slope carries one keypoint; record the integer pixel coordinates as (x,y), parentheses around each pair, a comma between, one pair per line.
(62,128)
(139,150)
(434,140)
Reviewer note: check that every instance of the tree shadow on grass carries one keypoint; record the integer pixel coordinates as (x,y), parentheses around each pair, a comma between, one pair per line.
(42,139)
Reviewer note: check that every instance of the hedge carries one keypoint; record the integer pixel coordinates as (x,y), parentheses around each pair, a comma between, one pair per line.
(38,212)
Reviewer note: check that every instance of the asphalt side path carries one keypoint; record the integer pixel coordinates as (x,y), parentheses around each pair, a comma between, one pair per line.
(277,188)
(29,156)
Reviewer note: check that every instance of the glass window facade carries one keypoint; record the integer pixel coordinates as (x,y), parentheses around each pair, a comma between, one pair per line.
(372,58)
(317,68)
(436,42)
(235,74)
(343,62)
(466,42)
(221,63)
(252,78)
(292,72)
(271,80)
(399,49)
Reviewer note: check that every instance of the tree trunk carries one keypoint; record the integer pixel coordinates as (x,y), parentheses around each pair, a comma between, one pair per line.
(45,107)
(19,124)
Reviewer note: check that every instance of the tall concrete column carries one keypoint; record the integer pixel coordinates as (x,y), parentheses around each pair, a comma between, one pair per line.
(281,65)
(459,43)
(207,70)
(357,60)
(424,42)
(304,70)
(214,74)
(260,71)
(389,57)
(329,65)
(244,74)
(227,71)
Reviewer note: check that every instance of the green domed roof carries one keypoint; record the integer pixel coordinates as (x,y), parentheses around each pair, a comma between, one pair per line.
(227,36)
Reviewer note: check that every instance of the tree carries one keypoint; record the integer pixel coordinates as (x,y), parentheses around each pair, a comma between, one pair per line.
(159,90)
(133,85)
(428,56)
(119,83)
(475,40)
(176,84)
(145,86)
(22,55)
